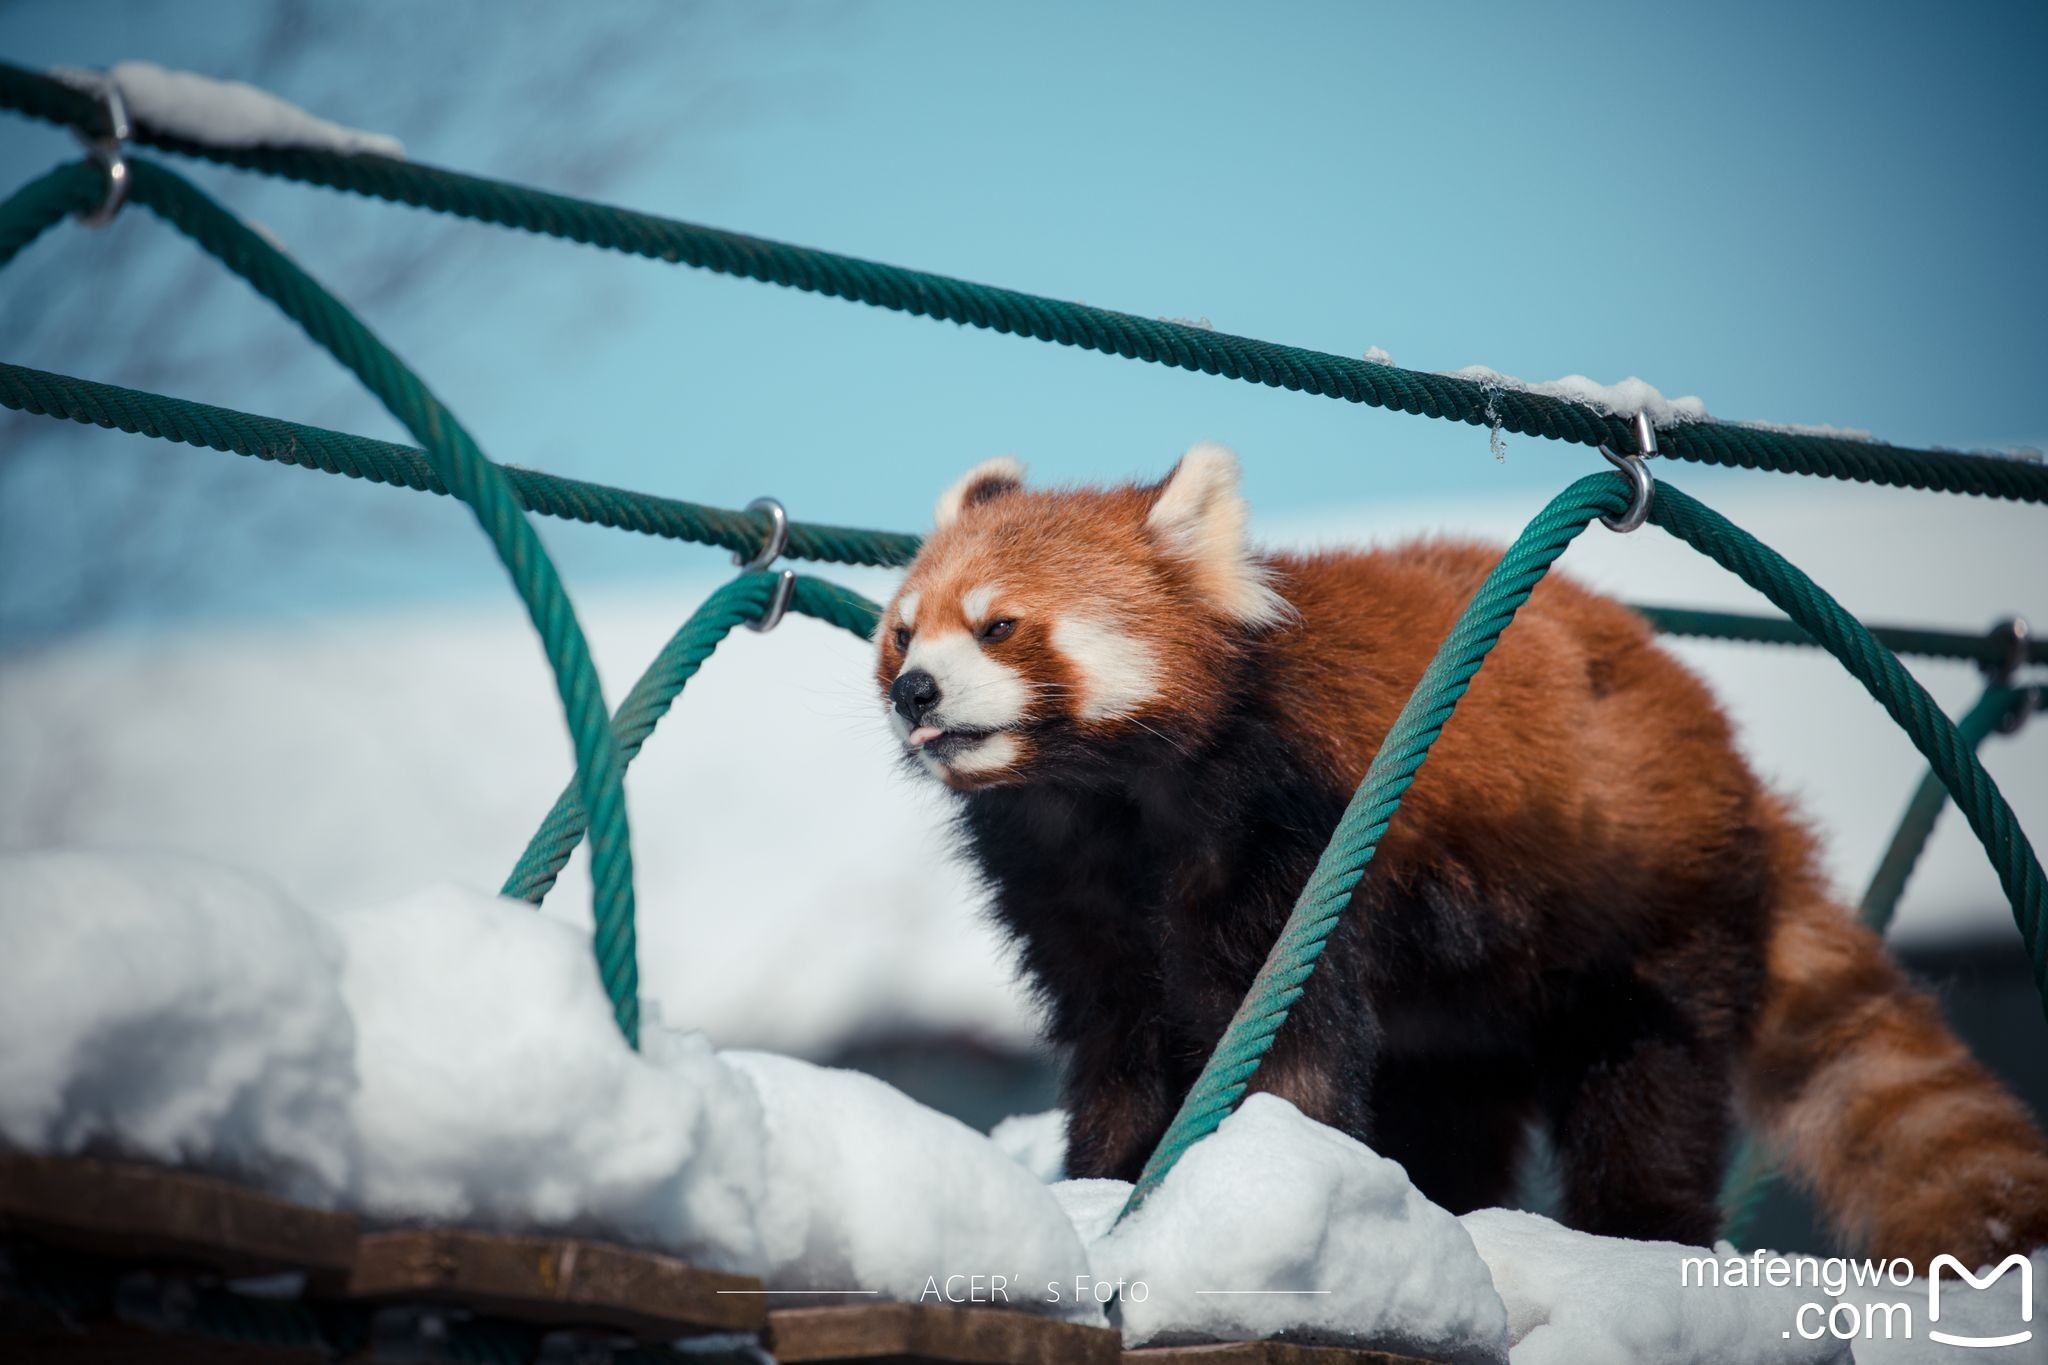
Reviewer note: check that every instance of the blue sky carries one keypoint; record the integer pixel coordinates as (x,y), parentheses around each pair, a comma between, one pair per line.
(1809,213)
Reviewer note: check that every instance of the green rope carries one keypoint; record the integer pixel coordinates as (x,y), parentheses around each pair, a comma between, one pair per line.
(1777,630)
(742,600)
(1752,1175)
(290,443)
(461,467)
(1285,973)
(1988,716)
(1067,324)
(1282,978)
(1901,695)
(359,457)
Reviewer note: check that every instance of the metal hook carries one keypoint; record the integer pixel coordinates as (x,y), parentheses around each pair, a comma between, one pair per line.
(778,536)
(778,603)
(1636,466)
(109,153)
(2015,634)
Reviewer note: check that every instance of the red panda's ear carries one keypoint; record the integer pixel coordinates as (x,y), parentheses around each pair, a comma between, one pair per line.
(1199,517)
(989,479)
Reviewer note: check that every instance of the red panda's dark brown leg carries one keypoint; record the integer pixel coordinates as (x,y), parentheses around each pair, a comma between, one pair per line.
(1119,1097)
(1457,1126)
(1642,1126)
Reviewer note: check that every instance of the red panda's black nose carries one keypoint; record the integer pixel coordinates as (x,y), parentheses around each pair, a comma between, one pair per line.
(914,694)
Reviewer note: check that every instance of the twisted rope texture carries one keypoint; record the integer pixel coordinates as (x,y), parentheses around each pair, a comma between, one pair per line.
(359,457)
(1067,324)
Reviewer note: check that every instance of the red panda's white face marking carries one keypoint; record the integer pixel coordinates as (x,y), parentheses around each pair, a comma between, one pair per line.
(1037,631)
(1115,673)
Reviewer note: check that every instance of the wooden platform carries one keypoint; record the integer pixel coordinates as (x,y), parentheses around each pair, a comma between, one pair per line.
(84,1233)
(934,1334)
(146,1214)
(555,1280)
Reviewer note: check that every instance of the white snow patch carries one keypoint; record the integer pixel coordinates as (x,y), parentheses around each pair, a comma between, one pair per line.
(1092,1205)
(1813,429)
(495,1090)
(870,1190)
(168,1009)
(1273,1201)
(1629,397)
(224,113)
(1577,1299)
(1037,1142)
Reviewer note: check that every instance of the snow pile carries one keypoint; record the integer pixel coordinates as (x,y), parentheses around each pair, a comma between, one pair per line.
(871,1191)
(1626,399)
(1037,1142)
(451,1057)
(1576,1299)
(484,1046)
(224,113)
(176,1011)
(1278,1225)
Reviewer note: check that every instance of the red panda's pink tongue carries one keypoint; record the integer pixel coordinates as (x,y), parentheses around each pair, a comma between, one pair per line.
(923,735)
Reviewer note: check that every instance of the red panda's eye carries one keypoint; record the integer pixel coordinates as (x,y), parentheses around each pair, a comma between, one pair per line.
(902,637)
(997,630)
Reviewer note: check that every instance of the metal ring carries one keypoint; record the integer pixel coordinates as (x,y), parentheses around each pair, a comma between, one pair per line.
(2015,634)
(778,603)
(108,152)
(778,536)
(1636,466)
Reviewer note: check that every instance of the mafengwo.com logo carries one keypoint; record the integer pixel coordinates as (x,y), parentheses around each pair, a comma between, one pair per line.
(2014,1261)
(1864,1314)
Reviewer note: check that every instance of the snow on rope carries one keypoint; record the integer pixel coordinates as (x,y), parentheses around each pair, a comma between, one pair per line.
(221,113)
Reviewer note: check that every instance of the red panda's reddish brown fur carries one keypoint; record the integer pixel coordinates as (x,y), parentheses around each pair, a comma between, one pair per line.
(1587,913)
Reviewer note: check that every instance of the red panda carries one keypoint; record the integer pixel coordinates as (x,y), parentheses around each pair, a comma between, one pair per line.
(1588,913)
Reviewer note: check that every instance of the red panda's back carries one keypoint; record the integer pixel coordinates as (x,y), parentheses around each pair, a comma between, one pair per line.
(1567,746)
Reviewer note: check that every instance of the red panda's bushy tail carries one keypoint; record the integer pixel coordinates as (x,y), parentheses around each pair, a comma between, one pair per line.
(1910,1147)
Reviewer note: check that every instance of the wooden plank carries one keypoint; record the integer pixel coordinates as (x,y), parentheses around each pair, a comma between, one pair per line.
(556,1280)
(130,1212)
(108,1343)
(934,1334)
(1263,1353)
